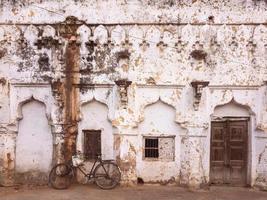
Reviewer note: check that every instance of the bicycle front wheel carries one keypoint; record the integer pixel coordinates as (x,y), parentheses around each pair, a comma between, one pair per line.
(107,175)
(61,176)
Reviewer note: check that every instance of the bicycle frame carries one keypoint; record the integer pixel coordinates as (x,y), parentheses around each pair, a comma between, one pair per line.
(90,175)
(100,172)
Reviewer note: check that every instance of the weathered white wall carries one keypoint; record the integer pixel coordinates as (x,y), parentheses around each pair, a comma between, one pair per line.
(95,117)
(34,146)
(135,11)
(231,109)
(261,160)
(159,120)
(159,66)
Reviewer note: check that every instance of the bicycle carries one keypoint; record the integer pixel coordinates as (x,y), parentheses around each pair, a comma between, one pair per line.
(106,173)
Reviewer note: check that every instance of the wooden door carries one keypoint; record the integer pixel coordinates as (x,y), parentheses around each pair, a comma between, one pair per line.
(92,143)
(228,152)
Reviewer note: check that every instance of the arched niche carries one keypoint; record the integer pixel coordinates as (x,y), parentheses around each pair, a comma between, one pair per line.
(27,100)
(159,123)
(159,118)
(153,34)
(95,117)
(84,32)
(34,142)
(118,35)
(148,98)
(92,99)
(31,34)
(168,37)
(101,34)
(236,116)
(232,109)
(49,31)
(2,34)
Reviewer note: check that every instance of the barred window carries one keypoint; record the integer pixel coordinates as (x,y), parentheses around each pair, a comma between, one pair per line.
(151,147)
(159,148)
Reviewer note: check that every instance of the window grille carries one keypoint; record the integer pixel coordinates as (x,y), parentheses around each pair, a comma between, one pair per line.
(160,148)
(151,147)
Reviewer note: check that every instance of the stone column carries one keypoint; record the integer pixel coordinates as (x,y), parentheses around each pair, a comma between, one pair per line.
(125,139)
(58,143)
(192,162)
(125,150)
(8,170)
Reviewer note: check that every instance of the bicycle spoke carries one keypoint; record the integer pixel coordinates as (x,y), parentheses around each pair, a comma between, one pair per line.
(107,175)
(61,176)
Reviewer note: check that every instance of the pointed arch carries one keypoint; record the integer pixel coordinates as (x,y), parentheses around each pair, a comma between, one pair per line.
(27,100)
(159,117)
(92,101)
(34,142)
(153,101)
(232,108)
(94,116)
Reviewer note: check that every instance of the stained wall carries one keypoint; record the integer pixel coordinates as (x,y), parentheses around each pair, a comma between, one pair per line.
(155,49)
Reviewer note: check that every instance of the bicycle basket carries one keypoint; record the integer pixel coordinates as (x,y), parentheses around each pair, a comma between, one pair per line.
(77,160)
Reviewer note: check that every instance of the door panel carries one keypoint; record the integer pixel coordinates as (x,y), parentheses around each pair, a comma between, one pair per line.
(228,152)
(237,145)
(218,152)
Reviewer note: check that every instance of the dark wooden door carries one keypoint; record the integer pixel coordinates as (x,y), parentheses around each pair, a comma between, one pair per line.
(228,152)
(92,143)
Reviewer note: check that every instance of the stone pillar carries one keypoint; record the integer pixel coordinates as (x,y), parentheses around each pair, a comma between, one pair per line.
(8,171)
(192,162)
(125,144)
(125,141)
(58,143)
(125,150)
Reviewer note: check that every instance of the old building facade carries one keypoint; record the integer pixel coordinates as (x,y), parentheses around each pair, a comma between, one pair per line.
(175,91)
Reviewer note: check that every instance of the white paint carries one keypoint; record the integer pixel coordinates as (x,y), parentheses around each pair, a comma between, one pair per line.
(234,69)
(34,146)
(159,120)
(94,117)
(231,109)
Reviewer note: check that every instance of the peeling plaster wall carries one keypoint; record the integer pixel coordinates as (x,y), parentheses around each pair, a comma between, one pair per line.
(159,120)
(128,55)
(261,161)
(2,148)
(231,109)
(130,10)
(94,117)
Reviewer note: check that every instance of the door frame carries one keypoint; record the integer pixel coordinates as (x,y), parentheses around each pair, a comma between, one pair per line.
(248,145)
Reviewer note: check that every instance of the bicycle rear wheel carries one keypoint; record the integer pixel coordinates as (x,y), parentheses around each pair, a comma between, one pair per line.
(61,176)
(107,175)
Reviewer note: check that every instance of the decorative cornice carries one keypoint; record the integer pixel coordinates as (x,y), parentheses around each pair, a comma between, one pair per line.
(92,86)
(17,84)
(234,87)
(160,86)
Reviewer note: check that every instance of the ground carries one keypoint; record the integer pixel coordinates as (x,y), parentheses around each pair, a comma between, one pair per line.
(144,192)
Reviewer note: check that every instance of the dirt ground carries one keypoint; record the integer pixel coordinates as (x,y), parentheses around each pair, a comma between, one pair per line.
(144,192)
